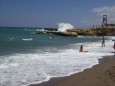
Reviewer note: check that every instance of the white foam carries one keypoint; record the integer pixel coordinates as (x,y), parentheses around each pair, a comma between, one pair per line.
(29,39)
(2,66)
(23,69)
(64,26)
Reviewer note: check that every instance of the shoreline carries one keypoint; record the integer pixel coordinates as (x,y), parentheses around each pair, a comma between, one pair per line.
(70,80)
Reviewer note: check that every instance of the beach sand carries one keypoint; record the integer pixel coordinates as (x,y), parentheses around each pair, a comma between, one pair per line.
(102,74)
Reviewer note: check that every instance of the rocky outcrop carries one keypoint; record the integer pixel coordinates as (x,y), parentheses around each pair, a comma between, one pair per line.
(41,32)
(66,33)
(85,32)
(95,31)
(89,32)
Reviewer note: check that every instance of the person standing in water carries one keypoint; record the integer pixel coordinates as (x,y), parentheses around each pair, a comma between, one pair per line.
(114,45)
(103,41)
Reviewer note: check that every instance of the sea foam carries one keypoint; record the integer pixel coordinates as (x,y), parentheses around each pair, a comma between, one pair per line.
(62,27)
(23,69)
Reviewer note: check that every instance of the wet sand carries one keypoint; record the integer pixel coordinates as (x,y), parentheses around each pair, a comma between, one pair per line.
(102,74)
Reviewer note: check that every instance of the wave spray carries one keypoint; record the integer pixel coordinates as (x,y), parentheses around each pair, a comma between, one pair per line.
(64,26)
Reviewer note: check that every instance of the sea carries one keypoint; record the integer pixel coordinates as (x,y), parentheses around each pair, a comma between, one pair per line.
(28,58)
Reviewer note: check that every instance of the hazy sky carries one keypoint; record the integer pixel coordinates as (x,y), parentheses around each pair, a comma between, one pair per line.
(48,13)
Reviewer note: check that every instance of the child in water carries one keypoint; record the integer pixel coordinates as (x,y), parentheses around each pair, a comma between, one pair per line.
(81,49)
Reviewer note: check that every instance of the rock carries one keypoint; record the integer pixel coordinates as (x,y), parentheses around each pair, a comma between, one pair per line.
(66,33)
(85,32)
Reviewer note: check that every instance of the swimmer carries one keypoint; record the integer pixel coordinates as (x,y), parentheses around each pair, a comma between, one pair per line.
(81,49)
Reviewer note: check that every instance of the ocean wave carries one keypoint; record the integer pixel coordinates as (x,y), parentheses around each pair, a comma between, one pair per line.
(29,39)
(23,69)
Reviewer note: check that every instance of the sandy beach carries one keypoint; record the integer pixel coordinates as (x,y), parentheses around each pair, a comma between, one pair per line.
(102,74)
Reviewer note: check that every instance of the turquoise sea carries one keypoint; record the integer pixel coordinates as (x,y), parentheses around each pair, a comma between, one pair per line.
(26,57)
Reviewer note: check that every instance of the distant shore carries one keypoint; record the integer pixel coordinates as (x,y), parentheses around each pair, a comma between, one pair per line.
(99,75)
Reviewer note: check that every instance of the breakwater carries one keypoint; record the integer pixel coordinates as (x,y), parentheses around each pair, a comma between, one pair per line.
(85,32)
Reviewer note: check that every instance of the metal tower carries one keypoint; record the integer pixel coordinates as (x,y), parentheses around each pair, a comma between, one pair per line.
(104,22)
(104,25)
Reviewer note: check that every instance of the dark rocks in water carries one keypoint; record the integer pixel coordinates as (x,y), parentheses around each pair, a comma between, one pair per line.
(67,33)
(84,32)
(42,32)
(73,34)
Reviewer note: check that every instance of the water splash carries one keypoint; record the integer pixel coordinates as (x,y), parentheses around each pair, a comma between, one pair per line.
(64,26)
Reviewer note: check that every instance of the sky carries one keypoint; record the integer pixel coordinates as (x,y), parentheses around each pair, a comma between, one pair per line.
(49,13)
